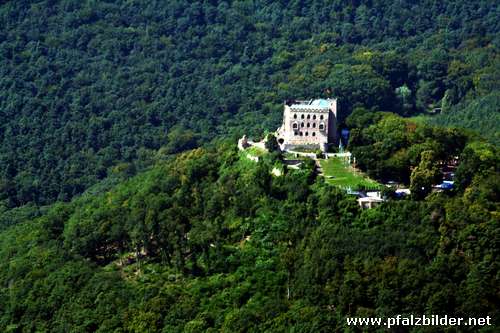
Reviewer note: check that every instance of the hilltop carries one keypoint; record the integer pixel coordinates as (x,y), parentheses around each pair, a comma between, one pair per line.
(211,241)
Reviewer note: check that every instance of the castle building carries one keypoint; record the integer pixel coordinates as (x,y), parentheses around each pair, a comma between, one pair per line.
(309,124)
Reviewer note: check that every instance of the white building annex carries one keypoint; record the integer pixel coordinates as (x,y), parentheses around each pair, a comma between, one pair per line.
(308,123)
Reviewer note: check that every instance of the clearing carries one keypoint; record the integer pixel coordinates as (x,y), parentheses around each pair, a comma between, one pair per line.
(338,173)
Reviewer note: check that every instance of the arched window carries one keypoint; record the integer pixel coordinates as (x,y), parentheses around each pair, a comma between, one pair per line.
(295,116)
(307,133)
(314,125)
(321,117)
(314,116)
(302,125)
(301,134)
(313,133)
(308,124)
(308,116)
(321,127)
(301,116)
(295,125)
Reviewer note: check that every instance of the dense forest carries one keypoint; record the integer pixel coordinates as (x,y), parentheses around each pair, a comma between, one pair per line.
(211,242)
(125,205)
(87,85)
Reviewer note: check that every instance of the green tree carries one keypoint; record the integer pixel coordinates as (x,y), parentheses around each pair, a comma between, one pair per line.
(271,143)
(425,175)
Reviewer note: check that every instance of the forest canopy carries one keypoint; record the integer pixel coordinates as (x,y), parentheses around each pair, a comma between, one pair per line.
(126,207)
(87,85)
(212,242)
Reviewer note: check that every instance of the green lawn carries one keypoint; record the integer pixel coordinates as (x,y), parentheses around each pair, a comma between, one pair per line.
(255,151)
(337,173)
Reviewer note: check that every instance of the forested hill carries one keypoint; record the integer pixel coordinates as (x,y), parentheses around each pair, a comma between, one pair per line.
(87,85)
(211,242)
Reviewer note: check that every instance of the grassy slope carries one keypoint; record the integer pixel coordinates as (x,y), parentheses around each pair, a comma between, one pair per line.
(345,176)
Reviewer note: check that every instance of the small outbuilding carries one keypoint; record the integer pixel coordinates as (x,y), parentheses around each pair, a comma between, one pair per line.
(369,202)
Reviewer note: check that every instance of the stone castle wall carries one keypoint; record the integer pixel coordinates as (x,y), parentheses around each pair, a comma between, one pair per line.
(308,124)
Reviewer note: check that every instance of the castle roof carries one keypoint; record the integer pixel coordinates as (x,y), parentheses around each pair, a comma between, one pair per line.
(314,104)
(322,103)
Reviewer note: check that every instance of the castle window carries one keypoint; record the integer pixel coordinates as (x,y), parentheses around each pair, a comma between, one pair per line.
(308,116)
(295,125)
(314,116)
(321,127)
(301,116)
(296,132)
(313,133)
(308,125)
(300,133)
(321,117)
(302,125)
(314,125)
(307,133)
(295,116)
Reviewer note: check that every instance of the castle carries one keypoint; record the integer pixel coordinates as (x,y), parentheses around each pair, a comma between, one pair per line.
(308,123)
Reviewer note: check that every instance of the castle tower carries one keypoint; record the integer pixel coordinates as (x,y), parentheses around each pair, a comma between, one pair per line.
(311,124)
